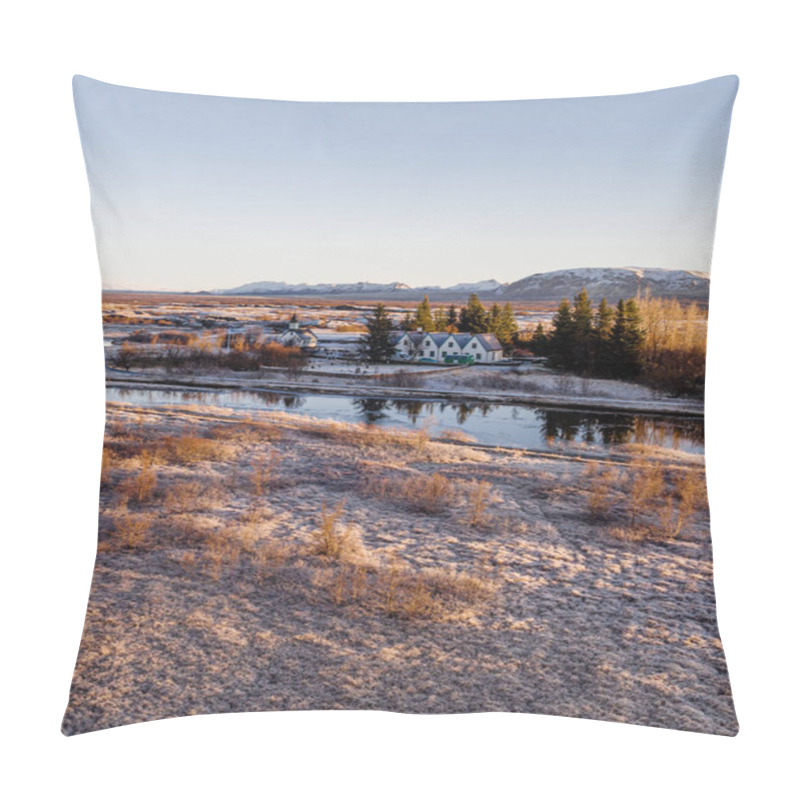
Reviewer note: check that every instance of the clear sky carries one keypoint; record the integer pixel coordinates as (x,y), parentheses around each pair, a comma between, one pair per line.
(192,192)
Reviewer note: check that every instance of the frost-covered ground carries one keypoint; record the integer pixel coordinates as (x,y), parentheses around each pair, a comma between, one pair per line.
(526,384)
(450,578)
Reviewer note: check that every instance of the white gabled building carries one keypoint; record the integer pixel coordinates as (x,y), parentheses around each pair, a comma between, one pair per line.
(293,336)
(484,347)
(418,345)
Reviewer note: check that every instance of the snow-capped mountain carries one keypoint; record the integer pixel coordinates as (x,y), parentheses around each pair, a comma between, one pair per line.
(279,287)
(613,283)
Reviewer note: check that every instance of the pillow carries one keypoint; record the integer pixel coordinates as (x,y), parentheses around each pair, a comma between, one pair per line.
(405,407)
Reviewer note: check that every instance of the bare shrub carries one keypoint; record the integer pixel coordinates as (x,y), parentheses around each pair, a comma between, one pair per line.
(402,378)
(189,449)
(269,558)
(192,496)
(632,534)
(264,471)
(430,593)
(221,549)
(600,499)
(678,509)
(140,487)
(246,432)
(431,494)
(105,467)
(335,541)
(456,435)
(646,487)
(478,496)
(132,529)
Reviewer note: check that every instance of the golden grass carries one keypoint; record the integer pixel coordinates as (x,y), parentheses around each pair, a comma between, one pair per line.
(478,497)
(264,471)
(363,435)
(431,494)
(600,485)
(659,505)
(132,530)
(186,496)
(336,541)
(189,449)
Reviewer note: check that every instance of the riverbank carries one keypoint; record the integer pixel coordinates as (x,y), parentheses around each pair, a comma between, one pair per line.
(459,385)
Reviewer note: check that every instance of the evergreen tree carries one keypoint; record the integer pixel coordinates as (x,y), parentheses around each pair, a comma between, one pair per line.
(539,343)
(473,317)
(505,327)
(407,323)
(582,318)
(602,330)
(377,344)
(452,317)
(561,342)
(424,317)
(627,340)
(493,318)
(440,319)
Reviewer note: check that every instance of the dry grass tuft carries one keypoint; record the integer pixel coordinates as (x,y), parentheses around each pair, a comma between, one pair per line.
(191,449)
(221,549)
(601,482)
(363,435)
(478,497)
(140,487)
(264,472)
(189,496)
(659,505)
(342,543)
(430,494)
(132,529)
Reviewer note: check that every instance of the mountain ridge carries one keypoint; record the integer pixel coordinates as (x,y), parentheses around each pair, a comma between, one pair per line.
(613,283)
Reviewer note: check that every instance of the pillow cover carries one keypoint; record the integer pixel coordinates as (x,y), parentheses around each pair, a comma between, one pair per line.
(405,407)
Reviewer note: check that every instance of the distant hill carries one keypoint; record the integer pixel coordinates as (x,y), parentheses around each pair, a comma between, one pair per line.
(613,283)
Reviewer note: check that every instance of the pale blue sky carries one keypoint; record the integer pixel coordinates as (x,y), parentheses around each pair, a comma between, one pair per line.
(192,192)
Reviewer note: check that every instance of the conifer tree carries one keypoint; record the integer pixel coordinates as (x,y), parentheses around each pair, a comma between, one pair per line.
(561,344)
(377,344)
(602,330)
(424,317)
(440,319)
(627,340)
(493,318)
(452,317)
(473,317)
(539,343)
(582,318)
(505,327)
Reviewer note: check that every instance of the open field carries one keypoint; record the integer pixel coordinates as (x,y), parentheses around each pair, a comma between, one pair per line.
(268,561)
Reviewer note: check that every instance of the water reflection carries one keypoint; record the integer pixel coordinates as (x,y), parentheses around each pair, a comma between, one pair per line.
(509,425)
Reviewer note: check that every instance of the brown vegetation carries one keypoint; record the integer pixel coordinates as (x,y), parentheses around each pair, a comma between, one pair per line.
(674,351)
(430,494)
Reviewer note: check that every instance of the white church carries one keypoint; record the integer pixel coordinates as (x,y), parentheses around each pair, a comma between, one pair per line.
(295,336)
(479,348)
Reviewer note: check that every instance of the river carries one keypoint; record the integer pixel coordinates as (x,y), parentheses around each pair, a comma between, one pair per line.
(507,425)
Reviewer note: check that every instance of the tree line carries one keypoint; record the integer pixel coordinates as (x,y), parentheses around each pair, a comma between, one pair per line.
(378,345)
(654,340)
(471,318)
